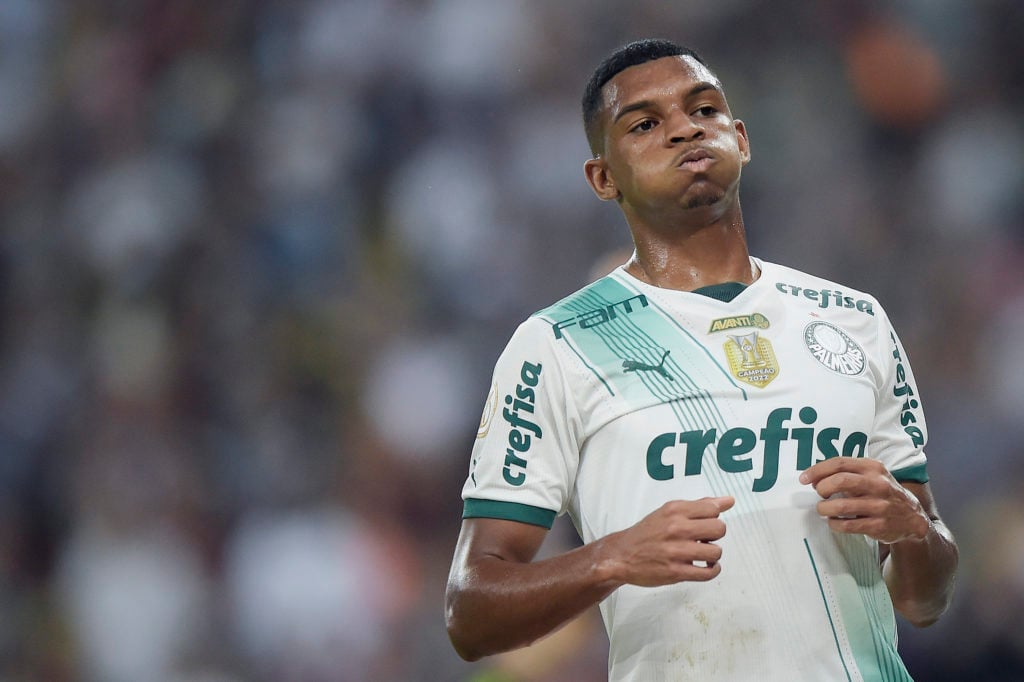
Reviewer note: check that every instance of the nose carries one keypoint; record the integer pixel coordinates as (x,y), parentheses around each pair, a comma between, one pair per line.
(683,128)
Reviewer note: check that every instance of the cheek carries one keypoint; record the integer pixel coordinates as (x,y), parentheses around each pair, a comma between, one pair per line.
(733,156)
(631,165)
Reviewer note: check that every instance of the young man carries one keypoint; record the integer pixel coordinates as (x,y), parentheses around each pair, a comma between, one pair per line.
(739,444)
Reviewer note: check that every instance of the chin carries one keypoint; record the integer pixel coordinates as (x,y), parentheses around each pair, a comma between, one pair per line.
(702,200)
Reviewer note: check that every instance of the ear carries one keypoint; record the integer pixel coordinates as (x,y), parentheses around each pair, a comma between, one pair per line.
(600,179)
(742,141)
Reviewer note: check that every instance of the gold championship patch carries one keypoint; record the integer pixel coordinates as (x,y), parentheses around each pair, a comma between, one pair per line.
(490,407)
(752,359)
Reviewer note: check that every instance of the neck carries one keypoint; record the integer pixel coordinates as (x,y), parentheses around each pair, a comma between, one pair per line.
(688,258)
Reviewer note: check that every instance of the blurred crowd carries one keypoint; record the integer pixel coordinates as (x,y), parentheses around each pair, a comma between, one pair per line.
(258,258)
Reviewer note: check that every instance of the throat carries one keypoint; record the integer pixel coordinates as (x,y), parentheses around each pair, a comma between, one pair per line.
(721,283)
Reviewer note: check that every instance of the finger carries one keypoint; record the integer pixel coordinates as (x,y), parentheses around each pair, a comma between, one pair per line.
(724,502)
(715,505)
(708,530)
(707,552)
(866,526)
(834,465)
(704,508)
(852,484)
(684,529)
(696,573)
(851,507)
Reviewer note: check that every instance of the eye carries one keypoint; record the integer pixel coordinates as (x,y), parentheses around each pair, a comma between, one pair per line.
(707,110)
(644,125)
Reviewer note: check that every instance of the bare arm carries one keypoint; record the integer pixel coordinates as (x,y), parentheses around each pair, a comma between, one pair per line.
(499,599)
(919,553)
(921,573)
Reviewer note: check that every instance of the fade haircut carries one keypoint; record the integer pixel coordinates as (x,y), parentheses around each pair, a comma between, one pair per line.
(632,54)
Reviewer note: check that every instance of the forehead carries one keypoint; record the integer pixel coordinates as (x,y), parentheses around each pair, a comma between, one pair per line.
(668,76)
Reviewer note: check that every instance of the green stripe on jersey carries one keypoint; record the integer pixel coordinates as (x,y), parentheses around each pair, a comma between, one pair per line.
(508,511)
(865,610)
(611,326)
(828,610)
(863,594)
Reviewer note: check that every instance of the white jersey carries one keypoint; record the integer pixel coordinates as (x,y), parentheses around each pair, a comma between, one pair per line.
(624,396)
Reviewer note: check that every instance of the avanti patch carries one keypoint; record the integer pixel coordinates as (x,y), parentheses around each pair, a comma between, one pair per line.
(756,320)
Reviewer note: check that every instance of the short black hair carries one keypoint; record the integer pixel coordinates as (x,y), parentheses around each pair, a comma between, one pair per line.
(631,54)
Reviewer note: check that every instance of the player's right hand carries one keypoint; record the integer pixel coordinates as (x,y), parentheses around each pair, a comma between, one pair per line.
(675,542)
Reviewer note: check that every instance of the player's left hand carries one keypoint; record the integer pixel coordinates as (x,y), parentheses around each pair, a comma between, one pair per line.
(871,502)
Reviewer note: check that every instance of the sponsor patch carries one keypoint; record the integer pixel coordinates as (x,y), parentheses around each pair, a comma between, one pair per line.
(756,320)
(833,348)
(827,298)
(523,428)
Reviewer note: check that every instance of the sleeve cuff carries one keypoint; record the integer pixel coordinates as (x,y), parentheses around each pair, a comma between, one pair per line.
(914,474)
(509,511)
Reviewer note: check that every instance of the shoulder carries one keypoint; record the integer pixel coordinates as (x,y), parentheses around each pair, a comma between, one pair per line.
(787,278)
(600,292)
(544,328)
(599,301)
(554,332)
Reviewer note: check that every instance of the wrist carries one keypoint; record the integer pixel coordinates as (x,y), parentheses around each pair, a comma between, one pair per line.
(927,528)
(919,534)
(607,568)
(924,526)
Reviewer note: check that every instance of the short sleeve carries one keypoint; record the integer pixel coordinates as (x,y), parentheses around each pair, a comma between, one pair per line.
(524,461)
(899,434)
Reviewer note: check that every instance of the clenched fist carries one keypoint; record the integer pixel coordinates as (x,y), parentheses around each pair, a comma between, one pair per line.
(675,542)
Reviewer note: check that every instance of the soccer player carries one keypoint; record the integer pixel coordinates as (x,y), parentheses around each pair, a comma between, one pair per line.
(739,444)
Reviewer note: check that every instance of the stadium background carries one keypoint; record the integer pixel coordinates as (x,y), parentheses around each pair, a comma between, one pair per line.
(258,258)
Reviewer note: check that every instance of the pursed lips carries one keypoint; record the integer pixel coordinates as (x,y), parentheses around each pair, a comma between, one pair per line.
(695,160)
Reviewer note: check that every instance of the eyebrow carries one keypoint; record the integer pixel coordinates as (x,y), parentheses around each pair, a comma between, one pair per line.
(646,103)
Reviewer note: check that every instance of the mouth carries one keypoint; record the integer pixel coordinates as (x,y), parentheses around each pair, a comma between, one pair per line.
(695,161)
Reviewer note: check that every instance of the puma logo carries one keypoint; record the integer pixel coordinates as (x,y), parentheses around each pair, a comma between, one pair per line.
(637,366)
